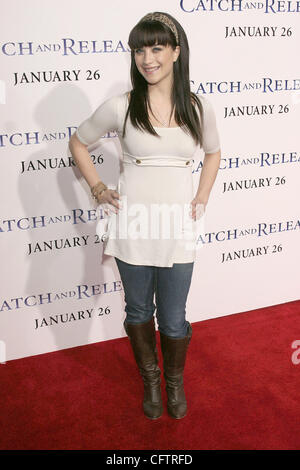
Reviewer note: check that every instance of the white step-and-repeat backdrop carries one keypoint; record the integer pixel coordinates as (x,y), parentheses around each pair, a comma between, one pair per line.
(59,61)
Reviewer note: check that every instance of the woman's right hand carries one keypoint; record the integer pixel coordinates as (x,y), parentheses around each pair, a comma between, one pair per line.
(109,197)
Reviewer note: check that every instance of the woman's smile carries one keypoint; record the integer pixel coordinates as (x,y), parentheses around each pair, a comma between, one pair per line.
(150,70)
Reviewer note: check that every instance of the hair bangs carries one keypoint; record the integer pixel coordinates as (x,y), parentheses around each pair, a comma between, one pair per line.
(149,33)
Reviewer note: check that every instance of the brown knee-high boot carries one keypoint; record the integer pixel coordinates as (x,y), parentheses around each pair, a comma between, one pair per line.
(174,353)
(143,341)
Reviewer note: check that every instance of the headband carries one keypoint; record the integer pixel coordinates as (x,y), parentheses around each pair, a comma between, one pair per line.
(162,19)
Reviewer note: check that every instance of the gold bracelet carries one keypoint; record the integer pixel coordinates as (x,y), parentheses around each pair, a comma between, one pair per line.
(97,189)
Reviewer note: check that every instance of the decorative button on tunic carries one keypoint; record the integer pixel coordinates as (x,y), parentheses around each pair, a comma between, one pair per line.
(153,227)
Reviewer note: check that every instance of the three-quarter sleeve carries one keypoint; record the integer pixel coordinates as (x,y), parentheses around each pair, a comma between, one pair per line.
(211,140)
(104,119)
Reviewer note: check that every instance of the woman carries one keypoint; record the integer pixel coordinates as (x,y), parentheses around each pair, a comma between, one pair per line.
(160,123)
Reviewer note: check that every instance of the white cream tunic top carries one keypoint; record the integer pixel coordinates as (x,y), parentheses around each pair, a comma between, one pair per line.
(155,181)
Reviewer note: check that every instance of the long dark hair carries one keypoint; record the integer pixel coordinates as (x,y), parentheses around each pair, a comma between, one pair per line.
(148,33)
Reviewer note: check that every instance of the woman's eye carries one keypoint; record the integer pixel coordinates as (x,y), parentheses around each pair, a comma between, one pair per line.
(155,49)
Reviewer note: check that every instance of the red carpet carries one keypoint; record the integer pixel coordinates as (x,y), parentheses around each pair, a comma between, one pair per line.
(241,385)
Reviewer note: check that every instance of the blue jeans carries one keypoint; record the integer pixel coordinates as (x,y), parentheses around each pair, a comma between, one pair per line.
(170,286)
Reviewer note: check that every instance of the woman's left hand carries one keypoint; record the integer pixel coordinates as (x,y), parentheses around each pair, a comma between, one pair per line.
(198,206)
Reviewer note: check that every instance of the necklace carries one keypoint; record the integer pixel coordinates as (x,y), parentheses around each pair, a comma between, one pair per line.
(165,122)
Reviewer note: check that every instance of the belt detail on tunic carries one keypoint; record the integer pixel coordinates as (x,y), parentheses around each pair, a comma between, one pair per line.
(157,160)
